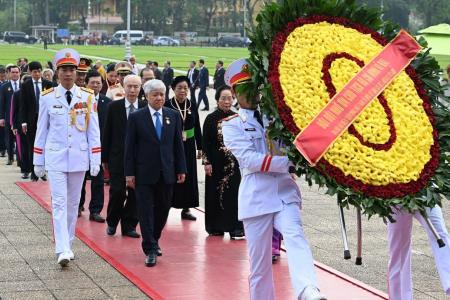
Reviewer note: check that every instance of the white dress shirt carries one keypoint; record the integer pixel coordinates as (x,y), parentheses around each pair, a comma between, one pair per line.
(127,106)
(152,113)
(191,73)
(39,85)
(17,85)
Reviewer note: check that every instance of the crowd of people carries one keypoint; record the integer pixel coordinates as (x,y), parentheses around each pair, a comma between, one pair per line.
(117,125)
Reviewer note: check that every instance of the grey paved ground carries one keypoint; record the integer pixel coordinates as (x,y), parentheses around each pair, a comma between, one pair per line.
(28,268)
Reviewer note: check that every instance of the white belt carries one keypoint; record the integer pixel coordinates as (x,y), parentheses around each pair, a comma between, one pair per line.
(247,171)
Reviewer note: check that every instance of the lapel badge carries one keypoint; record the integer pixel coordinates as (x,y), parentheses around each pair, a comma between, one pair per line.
(167,120)
(244,117)
(9,89)
(189,111)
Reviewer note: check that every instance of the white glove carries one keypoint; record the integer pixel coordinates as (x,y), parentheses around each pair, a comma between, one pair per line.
(94,170)
(39,171)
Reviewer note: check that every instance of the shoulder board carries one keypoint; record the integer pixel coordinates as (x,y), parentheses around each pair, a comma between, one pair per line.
(113,86)
(87,90)
(45,92)
(230,117)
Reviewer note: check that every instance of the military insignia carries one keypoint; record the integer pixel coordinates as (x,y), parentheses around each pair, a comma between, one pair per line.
(68,55)
(57,106)
(244,67)
(123,65)
(76,106)
(230,117)
(244,118)
(87,90)
(84,104)
(119,95)
(95,107)
(167,120)
(45,92)
(143,97)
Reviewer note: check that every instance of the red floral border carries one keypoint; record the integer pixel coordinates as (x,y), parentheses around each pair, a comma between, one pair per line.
(387,191)
(328,60)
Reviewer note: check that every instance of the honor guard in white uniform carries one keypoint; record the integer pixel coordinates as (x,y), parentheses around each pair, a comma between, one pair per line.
(400,236)
(116,92)
(67,145)
(135,68)
(268,198)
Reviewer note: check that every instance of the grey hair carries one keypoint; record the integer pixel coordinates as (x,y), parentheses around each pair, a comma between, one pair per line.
(131,76)
(47,70)
(154,84)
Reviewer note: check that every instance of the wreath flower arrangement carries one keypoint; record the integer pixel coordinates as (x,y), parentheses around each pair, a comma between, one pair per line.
(395,153)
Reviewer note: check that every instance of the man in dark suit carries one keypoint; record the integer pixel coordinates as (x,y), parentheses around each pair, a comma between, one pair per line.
(156,71)
(113,149)
(167,77)
(29,108)
(219,79)
(24,67)
(154,161)
(202,82)
(23,150)
(6,92)
(93,81)
(192,74)
(3,79)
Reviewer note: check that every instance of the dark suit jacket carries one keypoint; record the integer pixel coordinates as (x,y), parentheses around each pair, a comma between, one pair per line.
(167,76)
(146,156)
(158,74)
(113,143)
(6,92)
(28,102)
(194,76)
(103,102)
(17,124)
(202,80)
(219,77)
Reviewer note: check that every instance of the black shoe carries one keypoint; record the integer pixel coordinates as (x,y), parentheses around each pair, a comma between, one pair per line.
(274,258)
(34,179)
(96,218)
(132,234)
(185,216)
(237,233)
(2,153)
(79,213)
(205,109)
(25,175)
(82,208)
(110,230)
(150,261)
(159,252)
(10,162)
(216,233)
(44,178)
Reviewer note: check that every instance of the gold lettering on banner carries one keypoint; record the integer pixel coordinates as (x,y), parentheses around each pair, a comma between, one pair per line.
(383,62)
(342,102)
(357,87)
(349,95)
(329,116)
(362,81)
(322,123)
(337,109)
(367,77)
(374,72)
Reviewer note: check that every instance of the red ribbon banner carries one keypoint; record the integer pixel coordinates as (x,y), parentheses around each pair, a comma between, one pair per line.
(346,105)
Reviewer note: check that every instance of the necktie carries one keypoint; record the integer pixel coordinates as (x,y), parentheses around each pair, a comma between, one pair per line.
(69,97)
(158,125)
(38,95)
(131,109)
(258,118)
(15,86)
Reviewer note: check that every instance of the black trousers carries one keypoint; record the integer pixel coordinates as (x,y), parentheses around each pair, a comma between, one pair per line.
(10,139)
(167,93)
(117,211)
(202,96)
(24,158)
(153,202)
(31,136)
(2,140)
(193,98)
(97,192)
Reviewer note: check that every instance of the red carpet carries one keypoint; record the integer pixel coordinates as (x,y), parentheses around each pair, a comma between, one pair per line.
(194,265)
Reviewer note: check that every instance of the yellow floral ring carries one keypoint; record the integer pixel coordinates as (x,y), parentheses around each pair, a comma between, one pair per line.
(388,150)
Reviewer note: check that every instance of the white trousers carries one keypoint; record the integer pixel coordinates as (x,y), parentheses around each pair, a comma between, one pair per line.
(400,233)
(66,192)
(258,232)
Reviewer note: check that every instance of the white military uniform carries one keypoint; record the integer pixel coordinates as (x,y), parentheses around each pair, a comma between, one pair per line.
(115,92)
(268,197)
(400,235)
(135,70)
(66,153)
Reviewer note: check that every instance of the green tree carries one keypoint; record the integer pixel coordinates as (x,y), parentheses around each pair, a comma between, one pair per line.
(432,11)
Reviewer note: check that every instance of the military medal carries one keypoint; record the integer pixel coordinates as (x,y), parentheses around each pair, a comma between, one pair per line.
(9,89)
(189,111)
(95,107)
(167,120)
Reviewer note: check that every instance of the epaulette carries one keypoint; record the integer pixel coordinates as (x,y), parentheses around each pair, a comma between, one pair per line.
(45,92)
(87,90)
(113,86)
(230,117)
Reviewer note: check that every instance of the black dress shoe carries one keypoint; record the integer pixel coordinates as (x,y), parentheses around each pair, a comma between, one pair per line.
(132,234)
(82,208)
(150,261)
(96,218)
(274,258)
(237,233)
(44,178)
(158,252)
(216,233)
(110,230)
(205,109)
(79,213)
(34,179)
(2,154)
(25,175)
(185,216)
(10,162)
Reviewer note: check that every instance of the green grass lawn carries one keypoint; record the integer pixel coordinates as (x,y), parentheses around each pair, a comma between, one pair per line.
(179,57)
